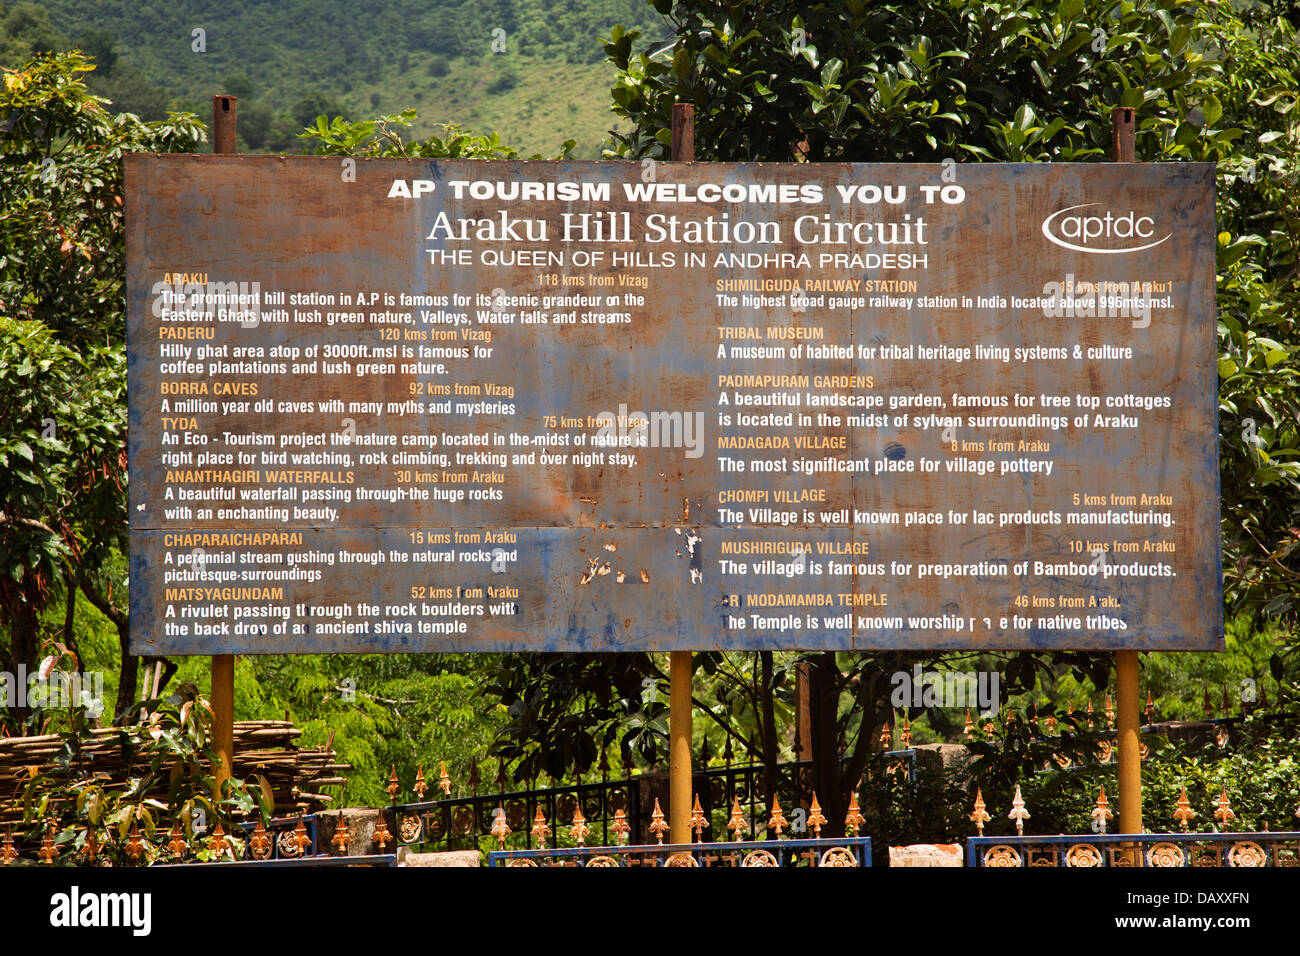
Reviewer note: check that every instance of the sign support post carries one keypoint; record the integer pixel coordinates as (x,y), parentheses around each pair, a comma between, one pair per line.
(1129,705)
(223,665)
(679,662)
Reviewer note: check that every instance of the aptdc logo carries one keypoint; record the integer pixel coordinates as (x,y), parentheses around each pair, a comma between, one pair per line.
(1105,232)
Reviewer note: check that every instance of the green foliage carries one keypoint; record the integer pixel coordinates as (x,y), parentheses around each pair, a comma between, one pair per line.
(165,761)
(900,812)
(254,124)
(380,711)
(60,457)
(403,50)
(62,261)
(913,82)
(383,137)
(312,104)
(565,710)
(506,79)
(62,453)
(1060,775)
(26,30)
(62,275)
(236,84)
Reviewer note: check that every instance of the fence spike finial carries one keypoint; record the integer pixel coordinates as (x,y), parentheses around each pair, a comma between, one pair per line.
(134,844)
(421,785)
(90,849)
(500,828)
(48,850)
(300,838)
(541,830)
(382,836)
(697,820)
(854,819)
(1184,812)
(1103,812)
(260,842)
(1018,812)
(620,827)
(816,819)
(177,843)
(444,781)
(981,815)
(394,787)
(658,825)
(579,830)
(217,840)
(737,824)
(342,837)
(776,821)
(1224,812)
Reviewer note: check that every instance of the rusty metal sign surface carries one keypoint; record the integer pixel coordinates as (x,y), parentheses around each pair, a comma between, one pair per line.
(427,406)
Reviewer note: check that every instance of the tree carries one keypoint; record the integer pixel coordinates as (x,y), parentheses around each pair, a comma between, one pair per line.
(100,45)
(313,103)
(238,85)
(30,25)
(255,123)
(1020,81)
(62,274)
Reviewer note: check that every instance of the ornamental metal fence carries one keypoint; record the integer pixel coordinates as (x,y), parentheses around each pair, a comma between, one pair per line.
(1160,850)
(845,852)
(608,805)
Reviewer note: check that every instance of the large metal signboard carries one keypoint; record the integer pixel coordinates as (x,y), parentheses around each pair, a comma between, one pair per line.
(391,405)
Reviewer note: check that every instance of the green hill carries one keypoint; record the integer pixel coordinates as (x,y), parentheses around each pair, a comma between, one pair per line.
(532,70)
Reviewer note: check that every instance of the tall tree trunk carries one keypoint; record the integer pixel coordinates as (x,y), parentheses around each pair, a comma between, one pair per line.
(824,698)
(771,746)
(875,713)
(69,639)
(24,643)
(128,676)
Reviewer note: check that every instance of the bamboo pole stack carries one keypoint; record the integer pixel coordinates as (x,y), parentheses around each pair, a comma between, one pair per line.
(266,747)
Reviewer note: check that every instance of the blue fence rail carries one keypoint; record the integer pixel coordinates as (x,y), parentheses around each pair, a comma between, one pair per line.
(1279,849)
(373,859)
(853,852)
